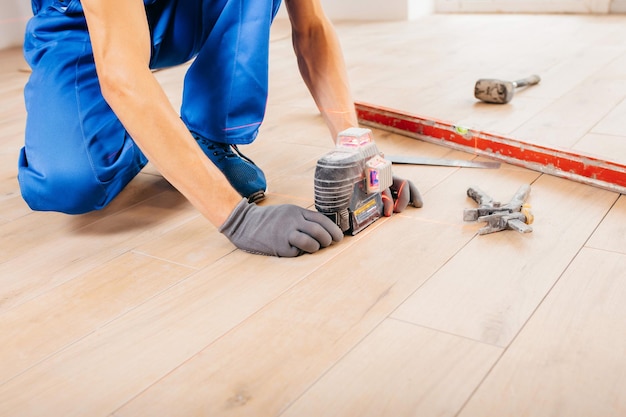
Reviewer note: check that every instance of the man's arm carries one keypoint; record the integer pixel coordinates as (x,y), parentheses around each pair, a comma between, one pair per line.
(121,43)
(321,63)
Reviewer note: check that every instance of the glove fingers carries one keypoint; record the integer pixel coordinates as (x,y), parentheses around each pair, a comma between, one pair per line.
(312,236)
(304,242)
(416,197)
(324,224)
(282,230)
(292,251)
(387,203)
(403,194)
(317,233)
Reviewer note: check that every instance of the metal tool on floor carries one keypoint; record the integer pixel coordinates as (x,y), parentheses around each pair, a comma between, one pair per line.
(461,163)
(515,215)
(499,91)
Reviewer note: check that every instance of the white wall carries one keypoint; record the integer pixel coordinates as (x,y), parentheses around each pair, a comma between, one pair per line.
(618,6)
(15,13)
(375,9)
(13,17)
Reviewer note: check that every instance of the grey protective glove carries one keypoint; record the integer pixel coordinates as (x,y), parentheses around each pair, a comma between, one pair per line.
(401,193)
(282,230)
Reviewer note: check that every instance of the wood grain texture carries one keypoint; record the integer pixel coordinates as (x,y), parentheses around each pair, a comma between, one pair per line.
(433,71)
(399,370)
(491,287)
(301,334)
(144,309)
(569,358)
(80,307)
(44,250)
(107,368)
(610,233)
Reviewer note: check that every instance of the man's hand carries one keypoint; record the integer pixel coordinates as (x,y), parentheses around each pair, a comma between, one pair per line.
(401,193)
(283,230)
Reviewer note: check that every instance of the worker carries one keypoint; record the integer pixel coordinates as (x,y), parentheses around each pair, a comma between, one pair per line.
(96,114)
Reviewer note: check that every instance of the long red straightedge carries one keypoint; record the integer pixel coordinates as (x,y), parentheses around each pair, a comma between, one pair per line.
(582,168)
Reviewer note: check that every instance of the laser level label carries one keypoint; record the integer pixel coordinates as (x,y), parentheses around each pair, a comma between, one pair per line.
(365,211)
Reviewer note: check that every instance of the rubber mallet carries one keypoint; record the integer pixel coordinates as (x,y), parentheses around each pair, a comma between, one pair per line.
(498,91)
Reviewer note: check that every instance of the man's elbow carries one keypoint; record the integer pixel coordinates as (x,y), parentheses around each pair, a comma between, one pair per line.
(309,39)
(116,82)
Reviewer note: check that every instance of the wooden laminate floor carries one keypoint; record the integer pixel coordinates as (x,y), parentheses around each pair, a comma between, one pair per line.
(144,309)
(579,105)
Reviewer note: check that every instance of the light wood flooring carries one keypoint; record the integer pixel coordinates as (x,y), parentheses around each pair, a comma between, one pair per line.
(579,105)
(144,309)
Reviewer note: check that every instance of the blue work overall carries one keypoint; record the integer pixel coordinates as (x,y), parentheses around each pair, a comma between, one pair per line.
(77,155)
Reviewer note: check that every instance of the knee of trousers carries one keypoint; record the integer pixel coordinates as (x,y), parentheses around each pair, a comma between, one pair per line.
(54,187)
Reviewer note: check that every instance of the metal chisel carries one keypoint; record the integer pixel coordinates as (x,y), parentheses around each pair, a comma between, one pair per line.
(417,160)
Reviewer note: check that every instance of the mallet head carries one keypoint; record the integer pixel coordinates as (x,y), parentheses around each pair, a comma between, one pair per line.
(500,92)
(494,91)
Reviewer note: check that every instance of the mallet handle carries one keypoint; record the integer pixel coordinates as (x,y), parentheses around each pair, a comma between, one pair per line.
(532,80)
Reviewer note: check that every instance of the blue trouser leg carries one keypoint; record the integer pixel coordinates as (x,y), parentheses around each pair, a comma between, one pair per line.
(225,89)
(77,156)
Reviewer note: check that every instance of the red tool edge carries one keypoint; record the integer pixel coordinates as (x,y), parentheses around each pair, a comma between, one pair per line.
(565,164)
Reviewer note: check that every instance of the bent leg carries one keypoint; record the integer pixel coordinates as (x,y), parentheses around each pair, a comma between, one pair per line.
(225,89)
(77,156)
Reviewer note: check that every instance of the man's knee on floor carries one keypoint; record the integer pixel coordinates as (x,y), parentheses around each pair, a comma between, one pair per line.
(56,188)
(61,194)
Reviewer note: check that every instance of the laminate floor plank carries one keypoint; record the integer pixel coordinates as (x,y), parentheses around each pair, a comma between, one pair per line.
(490,288)
(127,355)
(569,358)
(48,249)
(319,320)
(576,113)
(195,244)
(12,205)
(601,146)
(143,308)
(610,233)
(300,335)
(81,306)
(613,122)
(433,71)
(400,370)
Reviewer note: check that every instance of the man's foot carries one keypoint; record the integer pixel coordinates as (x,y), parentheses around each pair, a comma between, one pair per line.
(241,172)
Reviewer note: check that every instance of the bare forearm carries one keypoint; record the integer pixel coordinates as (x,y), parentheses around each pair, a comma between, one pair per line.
(162,136)
(121,44)
(323,70)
